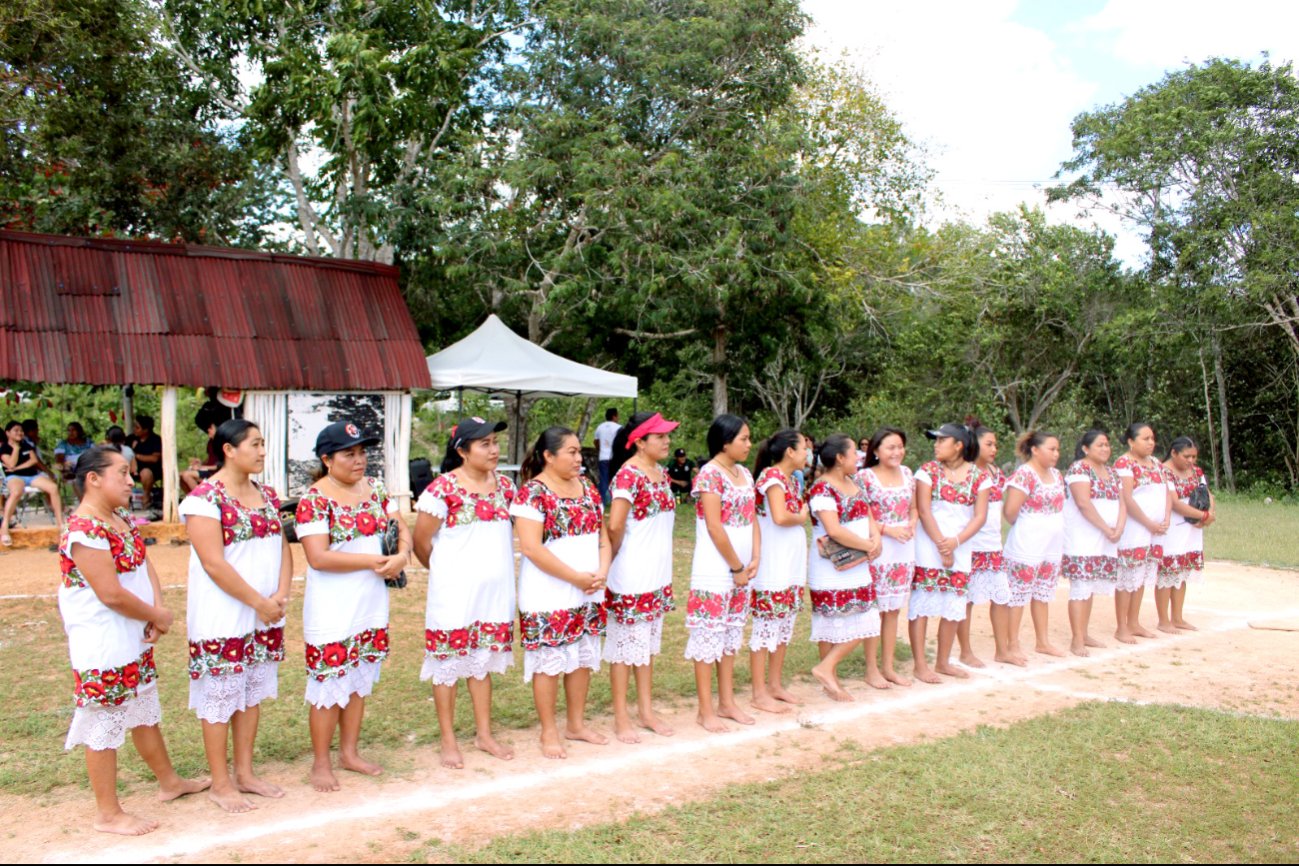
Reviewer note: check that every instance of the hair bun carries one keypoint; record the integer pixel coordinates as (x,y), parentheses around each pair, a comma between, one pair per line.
(973,422)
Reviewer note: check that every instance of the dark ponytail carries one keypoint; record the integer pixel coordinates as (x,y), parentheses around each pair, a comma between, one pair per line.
(834,446)
(96,460)
(979,428)
(1086,441)
(1030,440)
(551,439)
(722,432)
(773,449)
(622,452)
(232,433)
(873,447)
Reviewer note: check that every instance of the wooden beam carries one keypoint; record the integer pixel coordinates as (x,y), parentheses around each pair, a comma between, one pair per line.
(170,465)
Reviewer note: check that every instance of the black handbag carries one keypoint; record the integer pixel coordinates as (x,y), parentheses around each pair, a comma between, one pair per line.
(1199,500)
(288,520)
(842,558)
(392,538)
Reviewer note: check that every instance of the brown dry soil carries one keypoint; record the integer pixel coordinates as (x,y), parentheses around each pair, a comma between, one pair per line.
(1244,659)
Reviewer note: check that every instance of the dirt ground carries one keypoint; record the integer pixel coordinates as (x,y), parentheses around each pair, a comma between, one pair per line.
(1244,659)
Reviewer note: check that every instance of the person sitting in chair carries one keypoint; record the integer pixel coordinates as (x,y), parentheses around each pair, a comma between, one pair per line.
(24,471)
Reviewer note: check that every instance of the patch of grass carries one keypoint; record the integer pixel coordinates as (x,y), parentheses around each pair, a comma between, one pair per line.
(1097,783)
(1254,532)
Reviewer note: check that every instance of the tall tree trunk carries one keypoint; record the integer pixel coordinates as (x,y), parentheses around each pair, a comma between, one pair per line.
(720,395)
(1223,422)
(1208,416)
(588,411)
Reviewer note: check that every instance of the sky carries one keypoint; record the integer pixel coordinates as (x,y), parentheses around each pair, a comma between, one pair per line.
(989,87)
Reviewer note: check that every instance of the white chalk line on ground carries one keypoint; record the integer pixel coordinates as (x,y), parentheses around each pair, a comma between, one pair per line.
(507,784)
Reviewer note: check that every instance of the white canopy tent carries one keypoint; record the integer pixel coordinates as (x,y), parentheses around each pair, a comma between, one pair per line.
(496,360)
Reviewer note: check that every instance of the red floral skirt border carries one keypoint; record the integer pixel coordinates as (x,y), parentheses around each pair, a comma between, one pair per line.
(336,658)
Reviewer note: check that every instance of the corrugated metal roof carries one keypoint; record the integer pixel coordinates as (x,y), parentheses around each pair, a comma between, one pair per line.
(114,312)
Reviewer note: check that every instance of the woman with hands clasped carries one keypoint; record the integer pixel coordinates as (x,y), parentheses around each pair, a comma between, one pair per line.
(340,522)
(1094,517)
(727,545)
(110,600)
(566,555)
(1034,507)
(1148,498)
(240,575)
(891,489)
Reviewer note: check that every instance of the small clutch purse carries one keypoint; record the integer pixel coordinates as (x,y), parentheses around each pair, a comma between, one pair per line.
(391,538)
(842,558)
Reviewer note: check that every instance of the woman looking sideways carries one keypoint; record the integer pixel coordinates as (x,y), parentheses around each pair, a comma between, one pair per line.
(464,537)
(642,515)
(340,521)
(844,613)
(1183,554)
(782,570)
(1148,500)
(952,501)
(565,544)
(240,577)
(988,582)
(1034,507)
(726,559)
(1093,523)
(111,604)
(890,488)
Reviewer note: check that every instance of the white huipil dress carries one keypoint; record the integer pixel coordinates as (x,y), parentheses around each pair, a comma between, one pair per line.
(1090,561)
(843,602)
(1183,548)
(891,506)
(1139,551)
(640,578)
(1035,544)
(234,658)
(561,625)
(717,609)
(988,581)
(469,615)
(938,590)
(777,593)
(345,613)
(115,681)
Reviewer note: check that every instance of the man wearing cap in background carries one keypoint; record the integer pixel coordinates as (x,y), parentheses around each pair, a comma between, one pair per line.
(681,474)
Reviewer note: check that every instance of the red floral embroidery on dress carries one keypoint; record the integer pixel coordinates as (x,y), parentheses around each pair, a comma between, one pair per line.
(791,486)
(1042,498)
(556,628)
(842,602)
(940,580)
(233,655)
(1090,567)
(645,607)
(1026,573)
(239,522)
(336,658)
(776,603)
(986,560)
(855,507)
(1141,475)
(464,507)
(450,643)
(346,522)
(997,483)
(126,549)
(738,502)
(110,687)
(949,491)
(706,609)
(895,575)
(1111,490)
(561,517)
(889,505)
(1184,487)
(649,498)
(1135,557)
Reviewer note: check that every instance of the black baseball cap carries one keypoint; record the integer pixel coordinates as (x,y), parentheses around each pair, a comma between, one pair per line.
(341,435)
(948,431)
(469,429)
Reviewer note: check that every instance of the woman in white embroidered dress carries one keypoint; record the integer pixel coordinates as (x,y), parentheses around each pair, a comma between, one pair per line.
(111,604)
(891,490)
(728,546)
(240,576)
(843,602)
(988,583)
(1093,523)
(952,500)
(340,522)
(565,544)
(464,537)
(1148,499)
(1034,507)
(1183,549)
(782,569)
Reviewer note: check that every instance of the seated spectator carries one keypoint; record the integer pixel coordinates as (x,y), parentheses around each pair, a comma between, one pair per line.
(116,437)
(147,446)
(197,472)
(681,474)
(23,471)
(66,452)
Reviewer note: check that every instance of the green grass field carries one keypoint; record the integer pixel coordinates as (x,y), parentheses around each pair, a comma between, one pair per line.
(1254,532)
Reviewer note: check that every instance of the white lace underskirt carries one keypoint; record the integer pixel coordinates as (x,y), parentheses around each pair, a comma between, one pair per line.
(946,605)
(634,644)
(1037,589)
(101,728)
(560,660)
(1083,589)
(710,644)
(216,699)
(771,633)
(338,691)
(1133,579)
(845,629)
(475,665)
(1173,581)
(988,587)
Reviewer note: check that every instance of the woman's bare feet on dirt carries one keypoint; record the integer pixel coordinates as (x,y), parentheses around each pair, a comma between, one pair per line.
(896,678)
(182,787)
(625,733)
(712,724)
(552,748)
(357,764)
(1047,649)
(586,735)
(1009,658)
(1092,642)
(734,713)
(125,824)
(451,757)
(949,670)
(652,722)
(784,696)
(768,704)
(487,743)
(253,785)
(323,778)
(876,680)
(1184,625)
(970,660)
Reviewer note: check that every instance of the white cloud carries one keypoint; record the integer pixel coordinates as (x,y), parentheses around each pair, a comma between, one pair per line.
(1164,34)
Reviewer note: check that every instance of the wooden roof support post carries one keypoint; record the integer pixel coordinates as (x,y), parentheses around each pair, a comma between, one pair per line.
(170,465)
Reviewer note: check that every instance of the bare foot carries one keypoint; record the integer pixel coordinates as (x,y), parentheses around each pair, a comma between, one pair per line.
(712,724)
(552,748)
(735,714)
(1167,628)
(357,764)
(1079,650)
(1124,637)
(262,788)
(1139,631)
(876,681)
(1092,642)
(1009,658)
(830,683)
(586,735)
(625,733)
(925,675)
(182,787)
(948,670)
(768,704)
(323,778)
(655,724)
(1184,625)
(487,743)
(451,757)
(1047,649)
(230,799)
(896,678)
(970,660)
(125,824)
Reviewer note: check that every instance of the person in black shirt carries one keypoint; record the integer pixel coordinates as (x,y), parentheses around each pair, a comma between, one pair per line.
(22,466)
(147,446)
(681,474)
